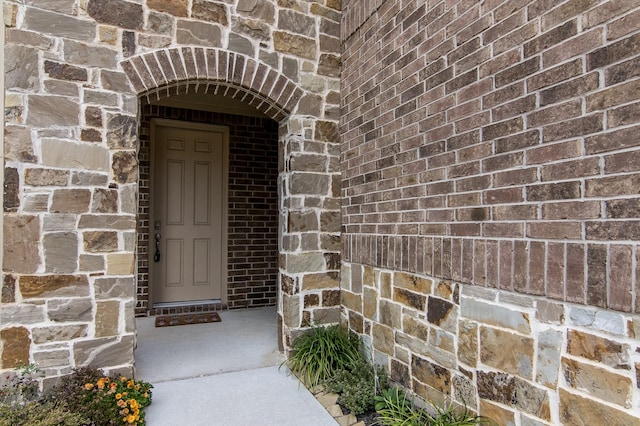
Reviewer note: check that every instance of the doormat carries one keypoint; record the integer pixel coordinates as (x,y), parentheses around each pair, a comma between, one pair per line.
(184,319)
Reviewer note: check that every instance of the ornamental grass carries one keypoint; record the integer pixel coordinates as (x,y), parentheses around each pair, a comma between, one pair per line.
(323,351)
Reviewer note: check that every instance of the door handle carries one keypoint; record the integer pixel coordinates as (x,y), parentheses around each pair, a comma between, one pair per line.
(156,256)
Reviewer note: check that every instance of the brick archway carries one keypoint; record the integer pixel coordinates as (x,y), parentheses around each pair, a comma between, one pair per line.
(308,181)
(160,74)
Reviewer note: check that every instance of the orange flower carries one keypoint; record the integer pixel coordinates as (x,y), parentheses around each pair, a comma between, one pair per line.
(123,379)
(88,386)
(131,418)
(118,396)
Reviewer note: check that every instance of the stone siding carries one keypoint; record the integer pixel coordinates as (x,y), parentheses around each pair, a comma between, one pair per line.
(77,74)
(489,172)
(518,359)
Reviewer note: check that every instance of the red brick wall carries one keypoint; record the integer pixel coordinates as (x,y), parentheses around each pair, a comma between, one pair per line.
(252,211)
(496,144)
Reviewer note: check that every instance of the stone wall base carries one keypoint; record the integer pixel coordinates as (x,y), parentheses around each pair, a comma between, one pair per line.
(517,359)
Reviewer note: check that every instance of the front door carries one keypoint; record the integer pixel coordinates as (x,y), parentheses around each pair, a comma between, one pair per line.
(188,220)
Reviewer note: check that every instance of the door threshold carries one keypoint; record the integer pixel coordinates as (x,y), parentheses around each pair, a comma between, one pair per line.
(187,303)
(169,308)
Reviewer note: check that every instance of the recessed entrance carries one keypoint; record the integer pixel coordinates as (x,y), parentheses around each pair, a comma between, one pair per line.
(247,213)
(286,250)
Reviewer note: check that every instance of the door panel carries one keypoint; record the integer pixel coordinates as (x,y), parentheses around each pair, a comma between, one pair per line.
(175,193)
(202,199)
(174,275)
(189,197)
(201,254)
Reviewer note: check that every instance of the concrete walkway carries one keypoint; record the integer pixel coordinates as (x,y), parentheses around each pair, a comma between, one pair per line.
(222,374)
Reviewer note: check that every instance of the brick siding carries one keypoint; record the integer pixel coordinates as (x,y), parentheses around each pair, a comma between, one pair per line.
(252,258)
(496,134)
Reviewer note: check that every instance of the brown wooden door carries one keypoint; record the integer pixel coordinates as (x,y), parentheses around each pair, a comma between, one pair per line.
(189,199)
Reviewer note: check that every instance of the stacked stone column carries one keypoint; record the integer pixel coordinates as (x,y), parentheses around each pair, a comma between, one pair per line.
(310,225)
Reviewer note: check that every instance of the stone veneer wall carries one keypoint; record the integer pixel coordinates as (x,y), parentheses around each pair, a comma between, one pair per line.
(252,211)
(76,73)
(2,102)
(490,202)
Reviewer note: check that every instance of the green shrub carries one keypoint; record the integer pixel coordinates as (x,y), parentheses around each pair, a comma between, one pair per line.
(71,391)
(21,402)
(358,386)
(395,409)
(320,353)
(36,413)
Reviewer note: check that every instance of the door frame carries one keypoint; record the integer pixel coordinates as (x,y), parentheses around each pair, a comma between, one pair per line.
(188,125)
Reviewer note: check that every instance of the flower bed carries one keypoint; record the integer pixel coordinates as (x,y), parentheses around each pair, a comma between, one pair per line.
(85,397)
(332,358)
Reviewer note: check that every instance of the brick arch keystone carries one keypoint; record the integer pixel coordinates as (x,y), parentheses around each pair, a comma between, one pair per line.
(155,74)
